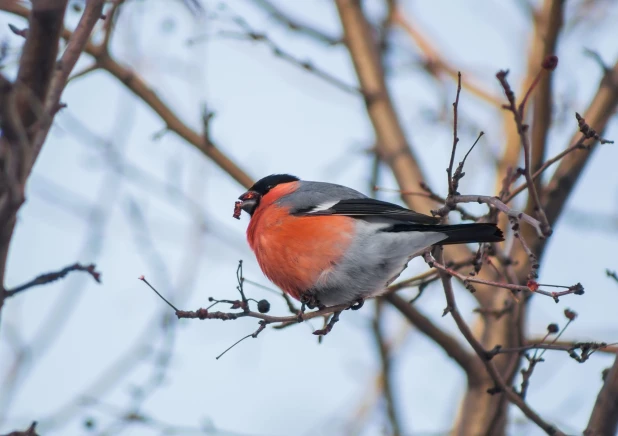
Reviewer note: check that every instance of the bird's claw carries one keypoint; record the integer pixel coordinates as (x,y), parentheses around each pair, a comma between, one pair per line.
(357,304)
(329,326)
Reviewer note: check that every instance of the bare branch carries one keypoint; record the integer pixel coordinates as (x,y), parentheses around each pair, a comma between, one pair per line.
(522,130)
(579,145)
(75,47)
(30,431)
(135,84)
(263,307)
(604,417)
(392,145)
(491,201)
(587,348)
(46,278)
(467,281)
(598,114)
(607,348)
(387,374)
(448,343)
(543,100)
(279,15)
(452,189)
(539,48)
(501,386)
(38,59)
(22,109)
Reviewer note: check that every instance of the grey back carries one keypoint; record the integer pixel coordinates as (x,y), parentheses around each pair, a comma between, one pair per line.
(312,194)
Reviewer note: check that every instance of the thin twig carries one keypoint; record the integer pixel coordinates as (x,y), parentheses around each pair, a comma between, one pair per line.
(579,145)
(467,280)
(491,201)
(489,365)
(387,373)
(252,335)
(226,316)
(278,15)
(522,130)
(451,345)
(46,278)
(452,190)
(556,346)
(250,34)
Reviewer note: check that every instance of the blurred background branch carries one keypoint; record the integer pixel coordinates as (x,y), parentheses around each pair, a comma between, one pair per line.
(107,190)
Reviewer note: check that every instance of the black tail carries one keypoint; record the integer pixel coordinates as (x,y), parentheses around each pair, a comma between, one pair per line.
(456,233)
(466,233)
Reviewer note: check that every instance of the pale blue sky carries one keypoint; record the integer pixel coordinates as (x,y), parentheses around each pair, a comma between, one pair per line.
(272,117)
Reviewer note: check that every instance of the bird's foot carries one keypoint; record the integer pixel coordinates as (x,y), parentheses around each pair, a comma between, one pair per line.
(357,304)
(329,326)
(308,300)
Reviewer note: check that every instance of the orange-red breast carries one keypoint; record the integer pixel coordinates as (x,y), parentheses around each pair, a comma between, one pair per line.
(327,244)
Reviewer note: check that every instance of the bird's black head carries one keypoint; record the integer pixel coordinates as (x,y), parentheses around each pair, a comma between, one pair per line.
(250,200)
(267,183)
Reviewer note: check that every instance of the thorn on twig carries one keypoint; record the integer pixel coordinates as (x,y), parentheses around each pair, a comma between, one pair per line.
(508,92)
(494,390)
(30,431)
(59,107)
(207,116)
(599,60)
(160,133)
(492,353)
(19,32)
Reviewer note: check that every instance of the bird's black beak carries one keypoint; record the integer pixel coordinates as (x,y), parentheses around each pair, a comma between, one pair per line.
(247,202)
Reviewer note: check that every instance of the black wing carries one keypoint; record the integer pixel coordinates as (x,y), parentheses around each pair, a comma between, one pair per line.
(368,207)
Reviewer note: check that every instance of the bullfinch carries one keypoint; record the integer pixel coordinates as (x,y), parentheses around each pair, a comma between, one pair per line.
(326,244)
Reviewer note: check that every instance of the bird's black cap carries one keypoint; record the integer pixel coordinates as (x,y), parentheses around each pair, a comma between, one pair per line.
(267,183)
